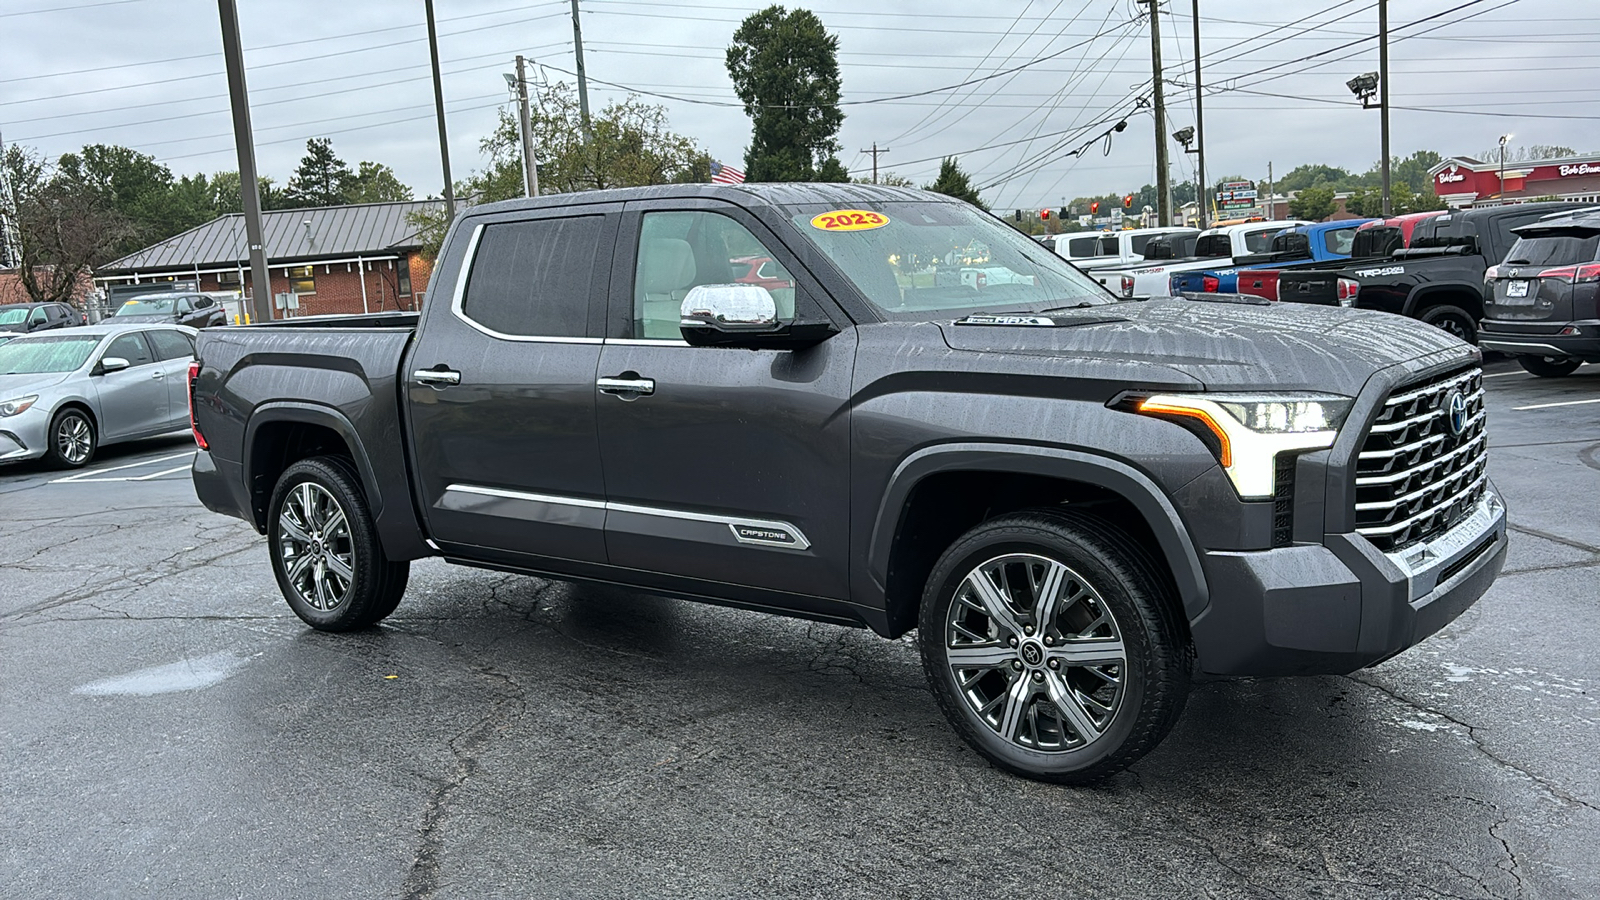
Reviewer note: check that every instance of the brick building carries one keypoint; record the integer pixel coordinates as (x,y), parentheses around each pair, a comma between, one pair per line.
(337,259)
(1464,181)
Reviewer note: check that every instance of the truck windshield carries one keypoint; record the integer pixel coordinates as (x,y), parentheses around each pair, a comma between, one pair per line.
(41,355)
(912,259)
(147,306)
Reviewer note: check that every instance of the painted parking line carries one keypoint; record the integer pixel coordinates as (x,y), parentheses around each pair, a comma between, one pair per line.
(1563,403)
(1504,374)
(94,475)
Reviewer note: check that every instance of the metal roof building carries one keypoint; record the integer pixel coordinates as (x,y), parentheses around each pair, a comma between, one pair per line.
(371,231)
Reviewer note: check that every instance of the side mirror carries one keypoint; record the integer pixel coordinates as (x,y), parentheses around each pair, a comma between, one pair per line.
(112,364)
(744,315)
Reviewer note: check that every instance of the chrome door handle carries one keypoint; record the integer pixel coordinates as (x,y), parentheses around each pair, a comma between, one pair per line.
(436,376)
(158,374)
(618,385)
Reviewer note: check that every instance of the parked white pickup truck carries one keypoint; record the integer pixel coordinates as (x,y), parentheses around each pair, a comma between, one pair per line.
(1147,279)
(1090,250)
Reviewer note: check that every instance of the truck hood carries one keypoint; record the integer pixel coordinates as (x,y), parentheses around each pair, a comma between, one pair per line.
(1229,346)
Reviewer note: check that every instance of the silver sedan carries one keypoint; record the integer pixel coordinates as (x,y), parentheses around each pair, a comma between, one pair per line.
(63,394)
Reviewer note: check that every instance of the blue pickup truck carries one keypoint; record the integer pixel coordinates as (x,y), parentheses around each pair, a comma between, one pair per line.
(1301,245)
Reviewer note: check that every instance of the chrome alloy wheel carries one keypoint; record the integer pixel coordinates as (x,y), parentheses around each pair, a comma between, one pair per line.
(74,439)
(1036,652)
(315,546)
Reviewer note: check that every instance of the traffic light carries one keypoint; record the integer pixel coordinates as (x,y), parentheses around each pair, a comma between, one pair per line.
(1019,215)
(1044,214)
(1127,202)
(1094,207)
(1061,213)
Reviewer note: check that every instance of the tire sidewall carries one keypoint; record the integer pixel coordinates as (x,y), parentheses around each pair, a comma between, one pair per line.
(1548,367)
(987,543)
(366,562)
(1437,314)
(54,437)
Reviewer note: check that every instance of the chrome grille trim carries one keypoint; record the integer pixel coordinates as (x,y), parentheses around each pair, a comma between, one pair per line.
(1415,480)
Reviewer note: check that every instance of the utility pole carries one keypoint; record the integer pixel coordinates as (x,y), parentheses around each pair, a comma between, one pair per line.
(1199,126)
(438,107)
(583,80)
(1163,177)
(530,169)
(1383,93)
(244,142)
(875,151)
(1272,205)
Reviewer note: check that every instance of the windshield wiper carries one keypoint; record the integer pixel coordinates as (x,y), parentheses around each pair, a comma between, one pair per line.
(1081,305)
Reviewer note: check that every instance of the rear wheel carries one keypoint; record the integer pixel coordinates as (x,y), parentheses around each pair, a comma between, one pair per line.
(1053,646)
(1453,319)
(325,551)
(1549,366)
(72,439)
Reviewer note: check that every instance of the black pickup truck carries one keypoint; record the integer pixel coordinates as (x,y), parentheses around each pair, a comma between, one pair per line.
(1072,498)
(1438,278)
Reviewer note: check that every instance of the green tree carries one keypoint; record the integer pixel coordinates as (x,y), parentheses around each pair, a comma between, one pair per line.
(1364,202)
(1313,203)
(322,179)
(1311,175)
(376,183)
(226,199)
(886,178)
(785,69)
(955,183)
(1413,170)
(64,224)
(137,187)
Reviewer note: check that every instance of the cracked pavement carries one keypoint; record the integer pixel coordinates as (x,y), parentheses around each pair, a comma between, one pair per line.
(172,731)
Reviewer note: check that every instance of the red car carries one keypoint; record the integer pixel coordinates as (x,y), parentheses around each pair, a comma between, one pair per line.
(762,270)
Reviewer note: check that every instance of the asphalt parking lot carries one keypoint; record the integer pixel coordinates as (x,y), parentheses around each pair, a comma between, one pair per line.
(171,730)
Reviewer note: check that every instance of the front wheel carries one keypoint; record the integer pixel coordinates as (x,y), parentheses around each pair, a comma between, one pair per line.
(1549,366)
(1054,646)
(72,439)
(1453,319)
(325,551)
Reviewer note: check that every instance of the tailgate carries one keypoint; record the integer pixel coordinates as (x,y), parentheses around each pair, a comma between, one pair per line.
(1310,286)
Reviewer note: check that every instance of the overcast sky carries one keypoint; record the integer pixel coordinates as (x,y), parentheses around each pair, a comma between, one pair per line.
(149,74)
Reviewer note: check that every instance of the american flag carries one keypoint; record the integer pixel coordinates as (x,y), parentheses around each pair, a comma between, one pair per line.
(722,173)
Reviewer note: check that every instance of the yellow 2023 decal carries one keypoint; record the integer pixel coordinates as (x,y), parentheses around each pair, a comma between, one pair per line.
(849,220)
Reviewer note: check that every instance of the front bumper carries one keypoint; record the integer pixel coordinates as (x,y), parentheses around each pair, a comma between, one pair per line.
(24,436)
(1343,605)
(1542,338)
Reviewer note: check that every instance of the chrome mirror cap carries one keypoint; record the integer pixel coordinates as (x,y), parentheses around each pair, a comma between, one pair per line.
(113,364)
(729,307)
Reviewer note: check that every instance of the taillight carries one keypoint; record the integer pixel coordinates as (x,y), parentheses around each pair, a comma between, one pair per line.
(1127,285)
(194,375)
(1210,284)
(1346,290)
(1574,274)
(1491,274)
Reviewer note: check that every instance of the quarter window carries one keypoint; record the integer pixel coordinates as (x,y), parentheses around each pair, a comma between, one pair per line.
(679,250)
(533,278)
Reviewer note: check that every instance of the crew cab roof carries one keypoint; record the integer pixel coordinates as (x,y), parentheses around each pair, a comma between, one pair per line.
(765,194)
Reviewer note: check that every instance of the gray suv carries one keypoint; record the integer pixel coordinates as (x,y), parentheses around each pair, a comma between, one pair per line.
(1542,304)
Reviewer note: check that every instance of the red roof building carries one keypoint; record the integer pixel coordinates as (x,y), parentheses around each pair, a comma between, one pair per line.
(1464,181)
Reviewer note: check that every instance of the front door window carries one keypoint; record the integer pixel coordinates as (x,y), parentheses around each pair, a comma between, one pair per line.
(680,250)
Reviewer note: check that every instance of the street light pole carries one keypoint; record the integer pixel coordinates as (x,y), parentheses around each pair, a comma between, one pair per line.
(1503,139)
(1163,176)
(438,106)
(244,142)
(1383,94)
(1199,126)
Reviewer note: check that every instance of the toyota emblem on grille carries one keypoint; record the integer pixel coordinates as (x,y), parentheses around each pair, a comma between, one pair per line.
(1456,404)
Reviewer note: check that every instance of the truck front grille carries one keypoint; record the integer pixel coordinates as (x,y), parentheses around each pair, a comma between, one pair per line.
(1414,477)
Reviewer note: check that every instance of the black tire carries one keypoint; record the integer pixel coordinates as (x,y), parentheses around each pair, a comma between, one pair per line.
(1453,319)
(72,439)
(1549,366)
(309,571)
(1116,576)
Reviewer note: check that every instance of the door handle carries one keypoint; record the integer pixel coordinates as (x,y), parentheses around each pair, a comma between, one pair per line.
(626,383)
(158,374)
(436,376)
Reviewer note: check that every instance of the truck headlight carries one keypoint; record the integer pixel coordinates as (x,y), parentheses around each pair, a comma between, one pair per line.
(1248,431)
(19,405)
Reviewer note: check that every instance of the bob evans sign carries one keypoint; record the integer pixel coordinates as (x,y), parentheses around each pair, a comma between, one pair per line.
(1452,175)
(1580,169)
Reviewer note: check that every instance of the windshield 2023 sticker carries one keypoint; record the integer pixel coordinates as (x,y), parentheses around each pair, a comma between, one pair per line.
(849,220)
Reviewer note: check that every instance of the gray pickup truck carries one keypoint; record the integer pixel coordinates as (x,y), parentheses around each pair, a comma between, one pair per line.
(1076,500)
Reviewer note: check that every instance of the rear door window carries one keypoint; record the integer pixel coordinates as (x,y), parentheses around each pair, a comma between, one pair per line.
(1339,241)
(1081,247)
(533,278)
(1108,245)
(1259,241)
(1213,245)
(171,344)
